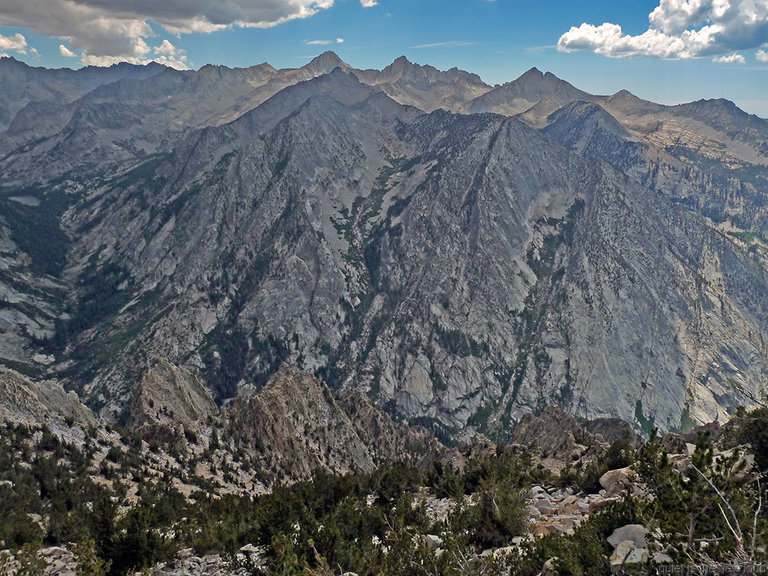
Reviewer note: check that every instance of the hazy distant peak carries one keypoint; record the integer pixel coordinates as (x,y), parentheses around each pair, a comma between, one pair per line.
(531,74)
(209,67)
(326,62)
(624,94)
(629,103)
(11,61)
(398,66)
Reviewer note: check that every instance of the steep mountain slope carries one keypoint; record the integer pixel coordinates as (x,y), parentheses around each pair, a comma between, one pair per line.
(425,87)
(544,92)
(460,270)
(118,123)
(464,270)
(730,192)
(23,84)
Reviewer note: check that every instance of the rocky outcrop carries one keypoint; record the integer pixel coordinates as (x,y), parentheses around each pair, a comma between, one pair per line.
(31,403)
(170,396)
(556,438)
(295,425)
(616,481)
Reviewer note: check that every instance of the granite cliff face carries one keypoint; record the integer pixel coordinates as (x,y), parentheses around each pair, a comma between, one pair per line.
(460,270)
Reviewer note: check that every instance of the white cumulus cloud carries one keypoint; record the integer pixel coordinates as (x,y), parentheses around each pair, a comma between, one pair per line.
(730,59)
(66,52)
(15,43)
(368,3)
(762,56)
(170,55)
(679,29)
(166,48)
(108,31)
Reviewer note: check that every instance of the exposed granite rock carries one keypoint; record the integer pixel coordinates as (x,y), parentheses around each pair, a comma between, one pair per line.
(555,438)
(616,481)
(170,396)
(635,533)
(460,270)
(296,425)
(24,401)
(627,553)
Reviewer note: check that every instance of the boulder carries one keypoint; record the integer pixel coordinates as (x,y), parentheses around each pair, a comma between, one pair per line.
(433,541)
(602,503)
(545,507)
(627,553)
(549,568)
(615,481)
(533,512)
(634,533)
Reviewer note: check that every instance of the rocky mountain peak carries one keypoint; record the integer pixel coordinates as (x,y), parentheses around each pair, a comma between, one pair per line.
(10,61)
(170,396)
(532,74)
(587,113)
(530,89)
(26,402)
(325,63)
(625,100)
(297,425)
(401,61)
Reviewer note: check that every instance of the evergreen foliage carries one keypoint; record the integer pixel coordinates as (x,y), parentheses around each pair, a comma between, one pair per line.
(372,523)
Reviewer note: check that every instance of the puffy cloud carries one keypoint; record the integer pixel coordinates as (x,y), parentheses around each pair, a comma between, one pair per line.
(166,54)
(116,30)
(679,29)
(169,55)
(368,3)
(731,59)
(66,52)
(673,16)
(762,56)
(15,43)
(166,48)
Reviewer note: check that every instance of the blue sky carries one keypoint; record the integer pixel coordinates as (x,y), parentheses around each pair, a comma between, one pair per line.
(661,50)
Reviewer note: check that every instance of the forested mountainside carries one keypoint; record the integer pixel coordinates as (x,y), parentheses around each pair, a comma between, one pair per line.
(267,488)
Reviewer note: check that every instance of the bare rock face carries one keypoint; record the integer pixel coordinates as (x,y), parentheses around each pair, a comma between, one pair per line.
(460,271)
(170,396)
(23,401)
(296,425)
(554,430)
(555,438)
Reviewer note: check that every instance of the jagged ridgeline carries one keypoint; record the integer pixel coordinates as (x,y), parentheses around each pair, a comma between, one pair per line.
(460,253)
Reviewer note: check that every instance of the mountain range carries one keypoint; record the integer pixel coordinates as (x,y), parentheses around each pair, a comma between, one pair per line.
(462,254)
